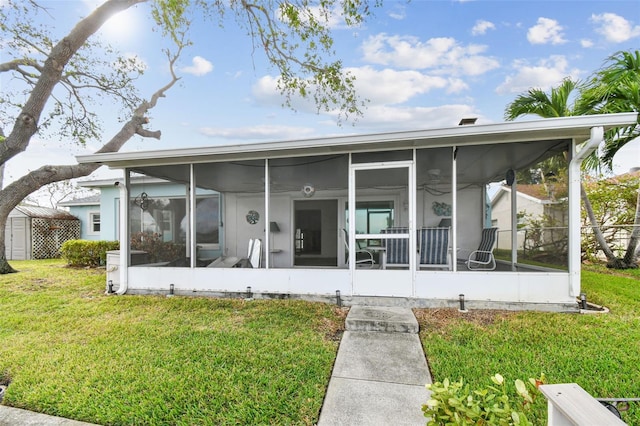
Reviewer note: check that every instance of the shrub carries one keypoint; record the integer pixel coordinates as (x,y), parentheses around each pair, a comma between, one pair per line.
(454,403)
(87,253)
(157,249)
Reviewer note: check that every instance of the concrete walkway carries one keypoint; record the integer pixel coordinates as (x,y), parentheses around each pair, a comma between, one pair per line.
(10,416)
(380,372)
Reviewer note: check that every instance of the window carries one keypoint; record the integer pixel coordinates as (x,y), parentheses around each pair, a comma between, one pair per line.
(94,223)
(166,217)
(372,217)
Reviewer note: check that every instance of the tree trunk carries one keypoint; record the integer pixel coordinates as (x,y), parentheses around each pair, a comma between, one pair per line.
(17,191)
(612,260)
(631,255)
(5,268)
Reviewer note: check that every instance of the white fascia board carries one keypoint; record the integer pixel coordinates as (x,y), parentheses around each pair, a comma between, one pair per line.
(79,204)
(514,131)
(135,180)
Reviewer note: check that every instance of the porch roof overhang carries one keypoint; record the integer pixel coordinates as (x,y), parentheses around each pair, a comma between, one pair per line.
(564,128)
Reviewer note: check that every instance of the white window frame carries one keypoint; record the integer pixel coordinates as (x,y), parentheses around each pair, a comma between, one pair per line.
(90,222)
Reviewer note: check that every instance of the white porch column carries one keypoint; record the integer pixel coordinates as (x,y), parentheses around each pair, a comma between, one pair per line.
(514,222)
(267,216)
(192,250)
(124,232)
(351,229)
(413,232)
(597,136)
(454,208)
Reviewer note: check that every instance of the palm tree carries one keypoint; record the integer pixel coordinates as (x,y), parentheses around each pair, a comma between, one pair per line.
(537,102)
(614,88)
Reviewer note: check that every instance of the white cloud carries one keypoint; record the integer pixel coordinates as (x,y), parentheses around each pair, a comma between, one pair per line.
(443,55)
(398,12)
(331,18)
(615,28)
(389,118)
(546,31)
(199,67)
(545,74)
(137,60)
(380,87)
(482,26)
(586,43)
(395,87)
(258,132)
(627,158)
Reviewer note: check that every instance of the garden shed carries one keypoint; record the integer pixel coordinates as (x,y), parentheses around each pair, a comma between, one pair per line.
(38,232)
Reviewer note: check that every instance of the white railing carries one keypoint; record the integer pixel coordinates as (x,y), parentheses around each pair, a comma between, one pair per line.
(569,404)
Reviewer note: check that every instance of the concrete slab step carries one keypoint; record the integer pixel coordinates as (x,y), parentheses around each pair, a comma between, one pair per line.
(382,357)
(381,319)
(378,379)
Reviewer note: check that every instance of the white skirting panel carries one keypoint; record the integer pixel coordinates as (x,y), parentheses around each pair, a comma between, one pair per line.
(532,287)
(297,281)
(378,282)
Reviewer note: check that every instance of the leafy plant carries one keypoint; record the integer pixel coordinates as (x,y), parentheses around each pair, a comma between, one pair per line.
(455,403)
(87,253)
(157,249)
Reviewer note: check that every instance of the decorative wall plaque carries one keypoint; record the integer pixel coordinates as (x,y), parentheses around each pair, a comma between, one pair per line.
(253,217)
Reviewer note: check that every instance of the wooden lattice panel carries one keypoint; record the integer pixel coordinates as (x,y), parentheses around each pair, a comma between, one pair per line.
(48,235)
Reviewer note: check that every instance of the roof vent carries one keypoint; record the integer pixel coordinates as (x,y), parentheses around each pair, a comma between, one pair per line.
(467,121)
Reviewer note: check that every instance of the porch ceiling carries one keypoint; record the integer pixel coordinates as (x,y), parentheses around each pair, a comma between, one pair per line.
(485,152)
(476,164)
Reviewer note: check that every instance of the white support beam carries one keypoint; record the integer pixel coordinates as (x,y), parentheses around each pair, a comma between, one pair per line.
(575,163)
(454,207)
(124,232)
(514,223)
(191,198)
(267,215)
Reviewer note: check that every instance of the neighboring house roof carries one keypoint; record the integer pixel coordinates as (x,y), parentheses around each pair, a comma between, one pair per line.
(44,212)
(93,200)
(536,193)
(633,173)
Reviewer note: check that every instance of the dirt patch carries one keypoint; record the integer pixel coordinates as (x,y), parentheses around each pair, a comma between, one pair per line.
(333,328)
(443,318)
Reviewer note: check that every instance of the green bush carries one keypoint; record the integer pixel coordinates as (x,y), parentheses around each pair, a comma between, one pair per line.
(157,249)
(86,252)
(454,403)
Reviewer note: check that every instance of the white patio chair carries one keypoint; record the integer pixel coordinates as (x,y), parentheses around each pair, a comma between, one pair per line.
(255,253)
(396,253)
(367,259)
(434,248)
(253,259)
(482,259)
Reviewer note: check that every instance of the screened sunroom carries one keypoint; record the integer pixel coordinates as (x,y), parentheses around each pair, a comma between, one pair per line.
(386,218)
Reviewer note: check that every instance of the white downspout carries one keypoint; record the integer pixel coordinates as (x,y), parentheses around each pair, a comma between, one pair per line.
(124,234)
(575,163)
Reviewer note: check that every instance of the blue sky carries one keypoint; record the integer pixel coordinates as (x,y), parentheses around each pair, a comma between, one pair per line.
(422,64)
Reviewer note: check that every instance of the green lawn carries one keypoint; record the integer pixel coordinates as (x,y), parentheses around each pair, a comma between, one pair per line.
(69,350)
(599,352)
